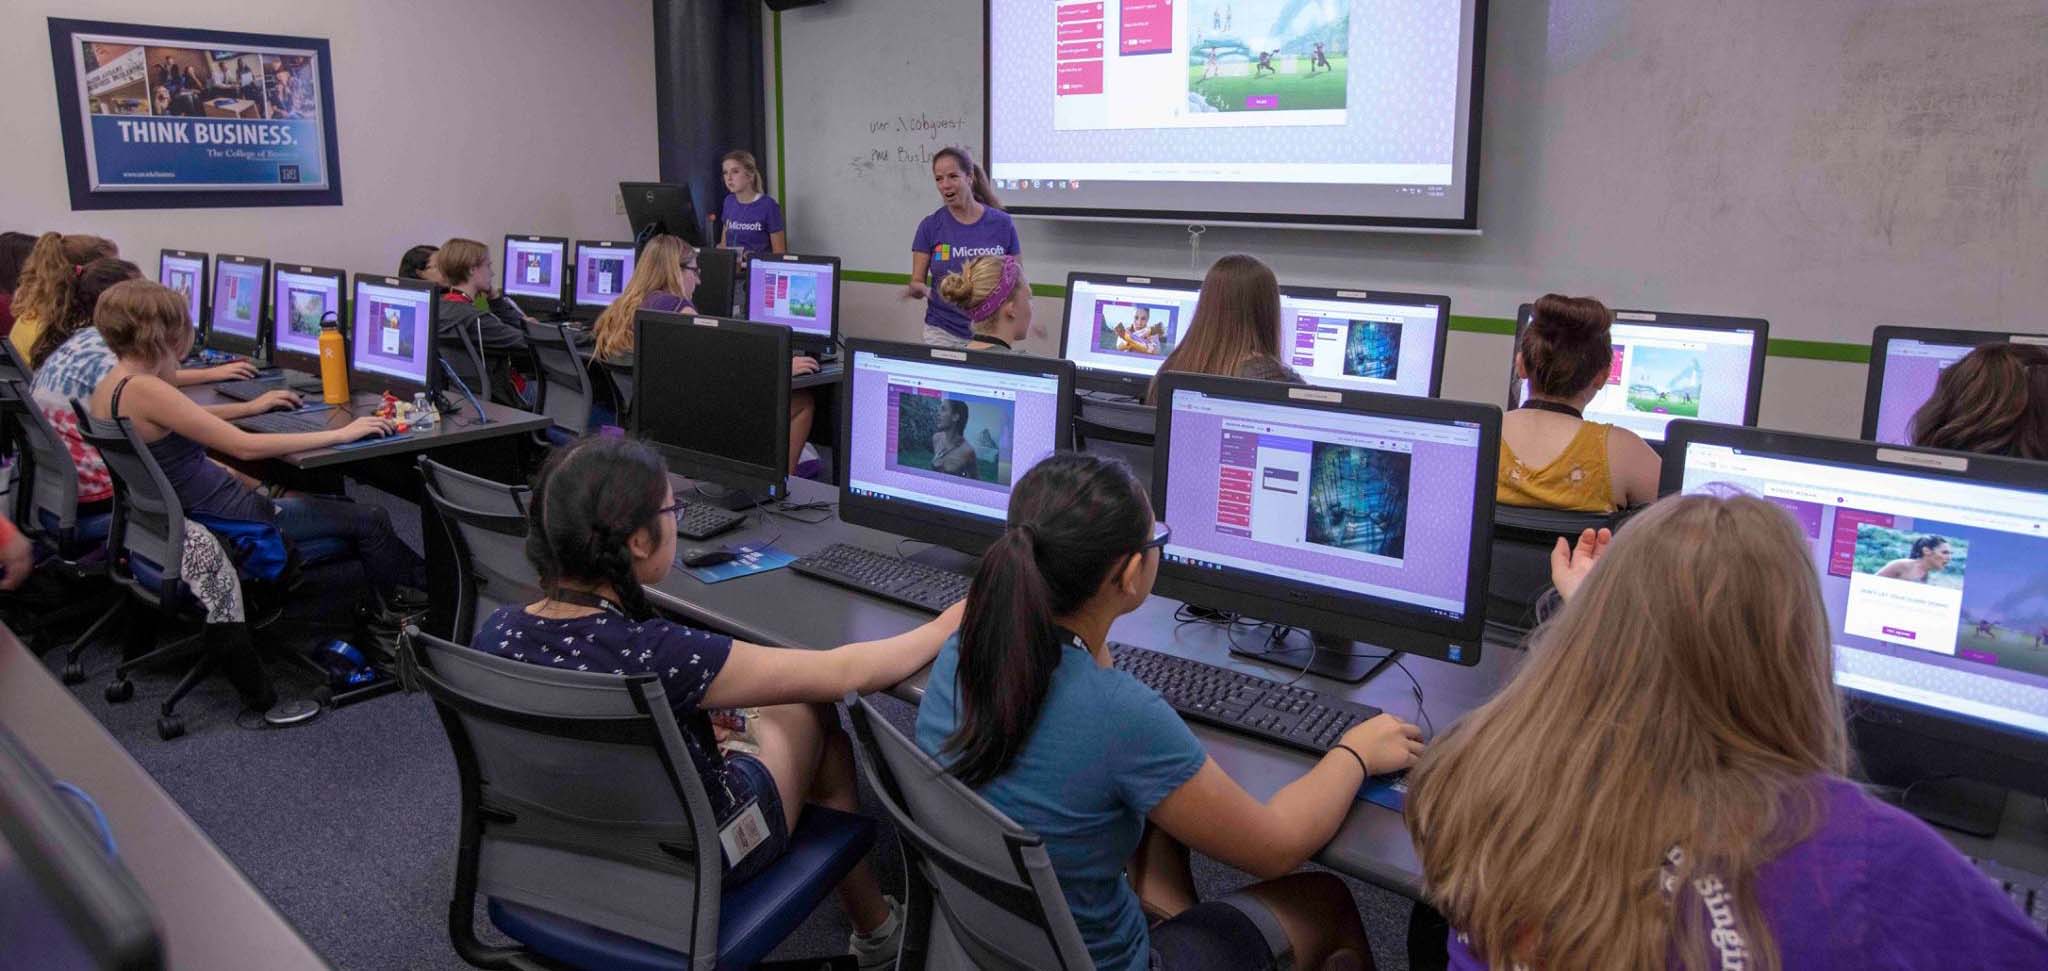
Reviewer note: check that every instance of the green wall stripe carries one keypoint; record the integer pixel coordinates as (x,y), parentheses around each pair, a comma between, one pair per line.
(1483,325)
(1820,351)
(781,170)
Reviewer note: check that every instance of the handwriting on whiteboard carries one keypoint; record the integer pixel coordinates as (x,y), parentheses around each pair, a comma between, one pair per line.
(906,141)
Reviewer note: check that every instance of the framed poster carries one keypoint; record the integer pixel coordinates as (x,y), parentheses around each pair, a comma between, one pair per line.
(172,117)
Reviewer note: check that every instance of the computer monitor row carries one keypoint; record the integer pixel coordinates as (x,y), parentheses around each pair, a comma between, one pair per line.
(552,275)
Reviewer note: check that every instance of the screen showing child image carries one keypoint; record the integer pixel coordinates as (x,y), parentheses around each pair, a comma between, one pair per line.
(1372,350)
(396,324)
(1664,381)
(1358,499)
(952,434)
(1141,329)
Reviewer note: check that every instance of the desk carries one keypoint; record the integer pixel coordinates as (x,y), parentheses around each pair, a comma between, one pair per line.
(209,914)
(1371,845)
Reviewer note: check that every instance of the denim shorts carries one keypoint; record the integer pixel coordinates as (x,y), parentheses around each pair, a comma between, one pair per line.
(770,798)
(1231,933)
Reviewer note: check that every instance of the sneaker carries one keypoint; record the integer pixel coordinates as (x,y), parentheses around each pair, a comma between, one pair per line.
(809,464)
(879,948)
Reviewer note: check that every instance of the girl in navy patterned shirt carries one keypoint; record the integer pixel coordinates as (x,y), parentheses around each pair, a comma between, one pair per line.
(602,524)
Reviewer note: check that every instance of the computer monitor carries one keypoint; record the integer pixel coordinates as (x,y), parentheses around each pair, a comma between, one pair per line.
(184,270)
(602,269)
(718,274)
(393,346)
(66,903)
(1392,343)
(719,410)
(1117,329)
(1669,366)
(1934,569)
(301,298)
(1904,364)
(240,293)
(536,273)
(801,292)
(662,207)
(1360,517)
(934,438)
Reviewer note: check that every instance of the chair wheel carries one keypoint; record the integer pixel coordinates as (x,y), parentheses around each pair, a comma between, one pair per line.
(74,673)
(324,695)
(120,691)
(170,728)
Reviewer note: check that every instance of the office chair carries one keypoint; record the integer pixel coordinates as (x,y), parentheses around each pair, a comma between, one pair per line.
(45,508)
(1118,429)
(486,524)
(565,392)
(1518,586)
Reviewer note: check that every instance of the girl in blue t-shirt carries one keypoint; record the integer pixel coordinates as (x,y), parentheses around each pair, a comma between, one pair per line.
(1025,706)
(602,524)
(970,224)
(751,219)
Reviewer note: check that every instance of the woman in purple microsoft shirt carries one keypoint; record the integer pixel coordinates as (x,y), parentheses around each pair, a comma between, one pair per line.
(1662,784)
(972,223)
(750,220)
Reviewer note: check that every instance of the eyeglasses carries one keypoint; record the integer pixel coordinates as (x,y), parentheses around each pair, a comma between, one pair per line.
(1161,535)
(675,510)
(690,267)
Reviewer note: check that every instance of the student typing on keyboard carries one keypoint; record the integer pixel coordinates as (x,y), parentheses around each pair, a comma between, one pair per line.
(146,327)
(1025,706)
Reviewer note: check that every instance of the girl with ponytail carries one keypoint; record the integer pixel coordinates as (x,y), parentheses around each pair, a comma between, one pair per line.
(1026,706)
(602,525)
(1551,457)
(969,223)
(48,283)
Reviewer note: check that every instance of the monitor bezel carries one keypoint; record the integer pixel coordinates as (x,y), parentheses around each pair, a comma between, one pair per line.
(926,523)
(295,360)
(799,338)
(1322,610)
(1758,350)
(1440,302)
(1100,379)
(770,482)
(2007,756)
(200,323)
(577,309)
(234,343)
(363,380)
(537,306)
(1880,344)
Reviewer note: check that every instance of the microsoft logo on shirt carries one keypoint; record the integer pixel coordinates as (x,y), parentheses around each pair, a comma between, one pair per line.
(947,251)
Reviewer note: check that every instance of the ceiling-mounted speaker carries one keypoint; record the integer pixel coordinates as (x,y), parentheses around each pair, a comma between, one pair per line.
(780,5)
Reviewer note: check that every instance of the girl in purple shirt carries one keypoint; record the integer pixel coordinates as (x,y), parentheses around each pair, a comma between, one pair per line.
(751,219)
(971,224)
(1662,783)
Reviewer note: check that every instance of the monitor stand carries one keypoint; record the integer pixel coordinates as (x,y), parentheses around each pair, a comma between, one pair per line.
(1351,662)
(726,497)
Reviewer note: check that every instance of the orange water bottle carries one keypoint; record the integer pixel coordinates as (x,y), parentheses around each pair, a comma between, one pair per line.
(333,366)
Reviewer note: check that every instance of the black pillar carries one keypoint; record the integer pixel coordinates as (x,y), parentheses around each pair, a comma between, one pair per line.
(708,98)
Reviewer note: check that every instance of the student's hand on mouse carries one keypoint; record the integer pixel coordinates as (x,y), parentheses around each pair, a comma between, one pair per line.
(236,371)
(800,366)
(368,426)
(1387,743)
(279,400)
(1570,564)
(916,290)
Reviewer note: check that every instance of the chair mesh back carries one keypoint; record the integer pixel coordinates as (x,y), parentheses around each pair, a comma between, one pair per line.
(621,376)
(51,488)
(148,520)
(567,777)
(992,881)
(568,380)
(488,522)
(1118,430)
(1518,578)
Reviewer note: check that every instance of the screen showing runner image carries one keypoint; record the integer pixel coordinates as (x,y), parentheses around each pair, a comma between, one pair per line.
(1126,327)
(952,436)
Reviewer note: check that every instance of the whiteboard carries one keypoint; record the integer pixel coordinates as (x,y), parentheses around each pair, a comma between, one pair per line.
(1830,166)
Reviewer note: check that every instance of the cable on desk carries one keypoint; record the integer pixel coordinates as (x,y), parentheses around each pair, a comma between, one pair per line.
(789,510)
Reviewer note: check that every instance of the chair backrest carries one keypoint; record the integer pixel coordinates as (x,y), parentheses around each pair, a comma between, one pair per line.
(565,378)
(14,367)
(1118,429)
(1519,581)
(486,524)
(621,376)
(998,902)
(148,522)
(578,798)
(46,479)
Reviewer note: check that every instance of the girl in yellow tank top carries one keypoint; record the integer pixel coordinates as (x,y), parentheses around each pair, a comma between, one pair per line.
(1578,480)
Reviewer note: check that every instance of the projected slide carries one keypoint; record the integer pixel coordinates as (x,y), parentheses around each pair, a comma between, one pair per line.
(1300,110)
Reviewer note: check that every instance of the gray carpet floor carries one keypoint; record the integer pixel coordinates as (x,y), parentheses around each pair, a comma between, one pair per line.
(348,823)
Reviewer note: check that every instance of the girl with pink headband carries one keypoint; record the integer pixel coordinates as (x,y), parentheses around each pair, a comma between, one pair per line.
(992,292)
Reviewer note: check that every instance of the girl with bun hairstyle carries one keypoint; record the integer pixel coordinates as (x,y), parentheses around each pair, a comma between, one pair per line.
(992,292)
(1993,401)
(1550,456)
(1236,330)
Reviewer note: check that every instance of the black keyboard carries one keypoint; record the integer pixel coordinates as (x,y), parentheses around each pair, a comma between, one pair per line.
(1291,715)
(311,418)
(248,390)
(888,577)
(699,521)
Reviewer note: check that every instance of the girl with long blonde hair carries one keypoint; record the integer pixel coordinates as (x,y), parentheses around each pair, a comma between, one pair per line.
(1662,783)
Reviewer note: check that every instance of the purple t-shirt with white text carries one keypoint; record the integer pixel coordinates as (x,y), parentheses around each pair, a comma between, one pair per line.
(748,224)
(1873,887)
(951,244)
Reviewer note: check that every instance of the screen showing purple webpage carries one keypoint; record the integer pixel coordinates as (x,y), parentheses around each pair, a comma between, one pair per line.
(299,300)
(183,274)
(1359,344)
(1128,327)
(534,269)
(394,333)
(1661,373)
(1936,590)
(601,273)
(237,298)
(951,436)
(796,295)
(1357,503)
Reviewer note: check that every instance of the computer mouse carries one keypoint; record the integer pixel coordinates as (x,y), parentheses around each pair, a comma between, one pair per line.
(708,556)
